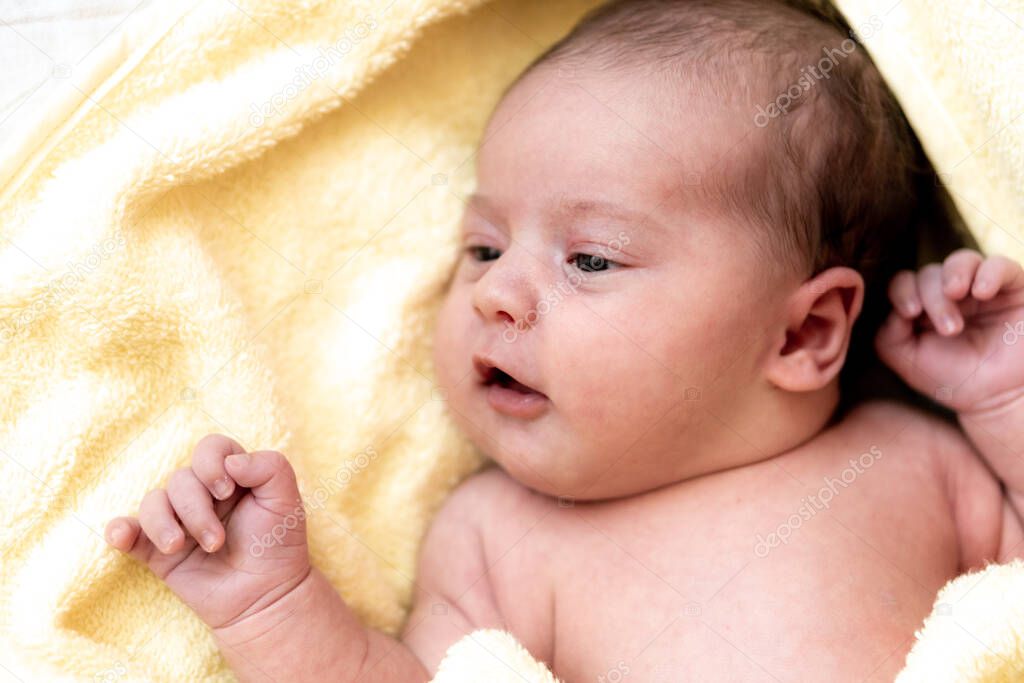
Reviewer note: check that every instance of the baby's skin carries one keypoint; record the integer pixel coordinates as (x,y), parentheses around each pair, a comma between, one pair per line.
(671,500)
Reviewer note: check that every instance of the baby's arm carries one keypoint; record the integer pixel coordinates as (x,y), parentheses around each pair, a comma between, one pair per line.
(453,597)
(987,527)
(999,437)
(273,616)
(311,635)
(454,589)
(964,353)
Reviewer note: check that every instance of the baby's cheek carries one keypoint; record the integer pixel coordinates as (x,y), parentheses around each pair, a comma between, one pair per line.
(449,339)
(699,347)
(616,387)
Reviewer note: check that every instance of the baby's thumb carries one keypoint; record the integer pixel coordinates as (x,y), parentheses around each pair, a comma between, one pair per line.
(269,476)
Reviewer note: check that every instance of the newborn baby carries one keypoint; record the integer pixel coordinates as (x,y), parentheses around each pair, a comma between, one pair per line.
(679,212)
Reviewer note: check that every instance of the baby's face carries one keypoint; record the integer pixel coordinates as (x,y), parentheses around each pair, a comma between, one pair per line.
(648,364)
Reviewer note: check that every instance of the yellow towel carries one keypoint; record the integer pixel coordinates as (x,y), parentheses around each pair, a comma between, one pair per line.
(239,218)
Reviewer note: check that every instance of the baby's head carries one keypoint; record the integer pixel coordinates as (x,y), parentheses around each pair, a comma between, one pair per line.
(679,209)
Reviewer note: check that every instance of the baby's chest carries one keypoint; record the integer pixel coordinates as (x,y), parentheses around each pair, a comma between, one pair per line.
(745,619)
(733,584)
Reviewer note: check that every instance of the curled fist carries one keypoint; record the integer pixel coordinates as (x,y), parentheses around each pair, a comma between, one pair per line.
(953,332)
(227,535)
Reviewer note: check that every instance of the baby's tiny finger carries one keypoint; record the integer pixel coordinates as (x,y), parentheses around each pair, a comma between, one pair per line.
(121,532)
(904,295)
(125,534)
(208,463)
(194,507)
(158,523)
(944,314)
(958,272)
(996,273)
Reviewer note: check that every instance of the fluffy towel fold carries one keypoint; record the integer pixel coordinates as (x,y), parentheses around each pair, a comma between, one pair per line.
(239,217)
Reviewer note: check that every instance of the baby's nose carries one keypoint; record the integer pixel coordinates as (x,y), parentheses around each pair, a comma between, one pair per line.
(507,294)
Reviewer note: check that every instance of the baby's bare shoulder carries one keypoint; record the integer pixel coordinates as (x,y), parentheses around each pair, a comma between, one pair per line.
(912,432)
(485,508)
(974,494)
(474,558)
(904,425)
(509,520)
(495,504)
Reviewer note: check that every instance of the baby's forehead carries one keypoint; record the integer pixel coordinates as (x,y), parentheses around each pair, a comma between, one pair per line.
(615,136)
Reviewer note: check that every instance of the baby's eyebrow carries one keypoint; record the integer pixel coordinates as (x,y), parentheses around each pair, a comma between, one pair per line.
(590,206)
(582,207)
(573,208)
(482,205)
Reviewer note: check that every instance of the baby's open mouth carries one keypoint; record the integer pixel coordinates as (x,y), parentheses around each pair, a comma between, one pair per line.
(503,379)
(508,395)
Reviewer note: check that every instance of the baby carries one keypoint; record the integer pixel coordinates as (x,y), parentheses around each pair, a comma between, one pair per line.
(681,210)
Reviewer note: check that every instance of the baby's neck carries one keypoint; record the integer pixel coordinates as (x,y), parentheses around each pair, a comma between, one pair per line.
(793,419)
(779,423)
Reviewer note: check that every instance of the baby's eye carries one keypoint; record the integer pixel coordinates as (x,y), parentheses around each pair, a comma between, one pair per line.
(591,263)
(483,253)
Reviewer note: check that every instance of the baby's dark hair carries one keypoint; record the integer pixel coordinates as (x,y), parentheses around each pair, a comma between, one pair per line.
(830,172)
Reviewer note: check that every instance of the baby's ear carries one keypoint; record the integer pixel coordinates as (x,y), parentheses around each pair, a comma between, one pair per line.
(819,317)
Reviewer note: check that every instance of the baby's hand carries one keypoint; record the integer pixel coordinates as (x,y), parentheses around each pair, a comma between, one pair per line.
(246,513)
(963,351)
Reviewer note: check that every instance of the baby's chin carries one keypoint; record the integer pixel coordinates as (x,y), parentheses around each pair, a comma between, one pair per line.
(534,469)
(559,477)
(550,459)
